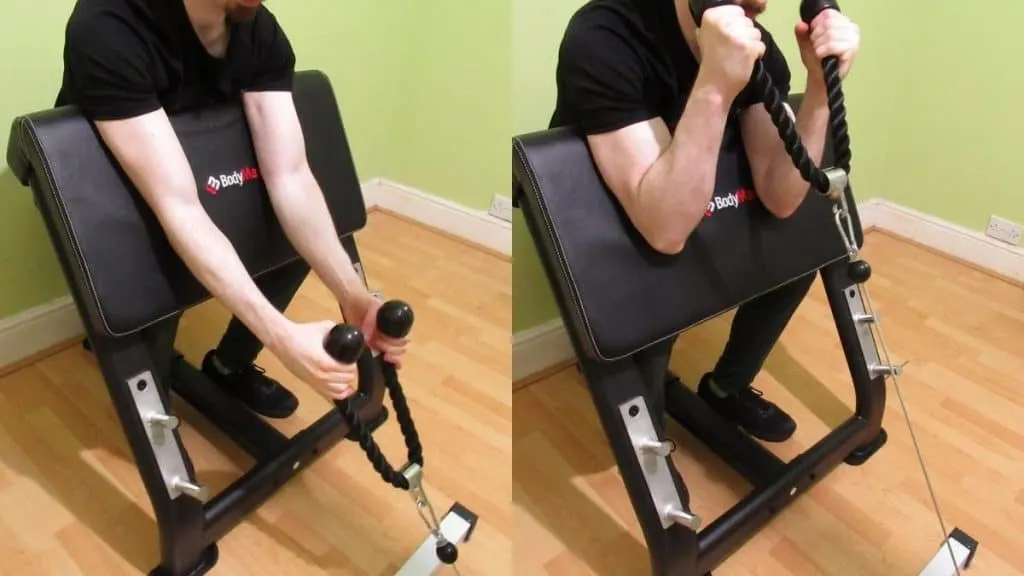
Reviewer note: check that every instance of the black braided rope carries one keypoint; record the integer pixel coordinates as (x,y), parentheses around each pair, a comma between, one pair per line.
(786,127)
(837,113)
(365,438)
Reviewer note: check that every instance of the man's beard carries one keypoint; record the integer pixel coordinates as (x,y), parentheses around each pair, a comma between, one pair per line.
(242,13)
(753,8)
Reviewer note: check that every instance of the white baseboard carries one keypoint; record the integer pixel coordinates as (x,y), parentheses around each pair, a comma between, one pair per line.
(547,345)
(37,329)
(475,226)
(538,348)
(954,240)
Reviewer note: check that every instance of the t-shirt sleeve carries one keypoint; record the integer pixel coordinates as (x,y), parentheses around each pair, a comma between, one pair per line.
(108,66)
(600,80)
(273,60)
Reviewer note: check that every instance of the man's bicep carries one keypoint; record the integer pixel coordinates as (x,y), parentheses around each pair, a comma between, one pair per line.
(601,80)
(276,133)
(109,69)
(624,156)
(147,149)
(273,58)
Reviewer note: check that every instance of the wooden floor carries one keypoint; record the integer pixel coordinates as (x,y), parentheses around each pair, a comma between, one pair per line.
(71,502)
(963,334)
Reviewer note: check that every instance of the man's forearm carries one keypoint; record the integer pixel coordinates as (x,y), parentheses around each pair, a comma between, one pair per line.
(783,180)
(675,192)
(212,259)
(300,207)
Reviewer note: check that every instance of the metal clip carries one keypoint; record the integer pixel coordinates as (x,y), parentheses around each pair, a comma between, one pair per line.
(838,180)
(414,474)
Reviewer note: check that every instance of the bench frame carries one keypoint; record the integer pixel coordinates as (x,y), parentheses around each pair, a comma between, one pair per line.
(189,522)
(675,541)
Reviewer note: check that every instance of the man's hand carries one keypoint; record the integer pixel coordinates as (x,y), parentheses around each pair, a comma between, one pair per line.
(729,46)
(300,347)
(362,312)
(831,33)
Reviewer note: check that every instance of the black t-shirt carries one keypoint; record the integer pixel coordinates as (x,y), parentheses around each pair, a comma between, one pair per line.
(627,61)
(126,58)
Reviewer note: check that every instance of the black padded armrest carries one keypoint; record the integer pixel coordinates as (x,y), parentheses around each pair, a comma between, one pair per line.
(110,242)
(620,295)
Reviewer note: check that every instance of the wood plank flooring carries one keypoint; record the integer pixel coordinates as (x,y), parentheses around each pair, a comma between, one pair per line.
(963,334)
(71,502)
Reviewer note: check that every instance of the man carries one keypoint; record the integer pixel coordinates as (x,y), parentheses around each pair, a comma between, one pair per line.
(128,64)
(655,97)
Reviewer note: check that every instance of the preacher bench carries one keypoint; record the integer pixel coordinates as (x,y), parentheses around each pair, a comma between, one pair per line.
(617,296)
(125,279)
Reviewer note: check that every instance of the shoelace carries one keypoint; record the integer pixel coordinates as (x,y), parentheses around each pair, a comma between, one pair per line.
(754,398)
(264,385)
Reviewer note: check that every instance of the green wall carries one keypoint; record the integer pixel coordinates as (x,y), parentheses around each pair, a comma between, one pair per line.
(943,142)
(423,88)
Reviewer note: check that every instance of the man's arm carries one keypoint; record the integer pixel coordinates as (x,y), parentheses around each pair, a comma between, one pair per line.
(169,188)
(779,184)
(664,183)
(295,194)
(109,67)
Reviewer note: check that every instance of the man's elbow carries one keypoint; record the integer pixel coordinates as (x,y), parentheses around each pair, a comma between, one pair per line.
(783,205)
(669,243)
(783,210)
(288,179)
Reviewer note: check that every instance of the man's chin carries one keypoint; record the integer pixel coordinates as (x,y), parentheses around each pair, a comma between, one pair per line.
(243,13)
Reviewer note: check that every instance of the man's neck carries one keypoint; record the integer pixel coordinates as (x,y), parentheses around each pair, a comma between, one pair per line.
(207,18)
(688,26)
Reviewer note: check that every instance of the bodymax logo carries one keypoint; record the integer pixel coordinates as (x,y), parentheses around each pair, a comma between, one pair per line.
(237,178)
(733,200)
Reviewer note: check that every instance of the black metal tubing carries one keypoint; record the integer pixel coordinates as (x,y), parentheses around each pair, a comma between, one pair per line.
(735,527)
(679,551)
(233,504)
(741,452)
(189,530)
(252,433)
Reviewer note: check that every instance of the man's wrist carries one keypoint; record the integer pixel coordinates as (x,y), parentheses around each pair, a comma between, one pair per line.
(815,92)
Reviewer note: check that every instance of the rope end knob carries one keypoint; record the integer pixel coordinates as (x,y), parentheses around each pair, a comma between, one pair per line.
(809,9)
(859,271)
(344,343)
(447,553)
(394,319)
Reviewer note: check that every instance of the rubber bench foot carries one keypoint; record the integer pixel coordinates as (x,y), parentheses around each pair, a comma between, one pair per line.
(206,563)
(861,454)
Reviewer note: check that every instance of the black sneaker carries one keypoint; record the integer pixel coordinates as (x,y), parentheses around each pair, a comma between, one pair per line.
(750,411)
(254,388)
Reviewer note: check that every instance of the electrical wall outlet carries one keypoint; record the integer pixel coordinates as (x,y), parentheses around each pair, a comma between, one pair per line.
(1004,230)
(501,208)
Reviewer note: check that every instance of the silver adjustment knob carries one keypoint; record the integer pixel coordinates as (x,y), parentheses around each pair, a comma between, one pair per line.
(684,518)
(165,420)
(192,489)
(662,448)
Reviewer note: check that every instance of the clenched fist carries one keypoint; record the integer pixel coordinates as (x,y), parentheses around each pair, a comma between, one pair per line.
(730,44)
(831,33)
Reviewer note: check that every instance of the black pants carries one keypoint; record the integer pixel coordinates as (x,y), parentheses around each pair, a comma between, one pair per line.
(238,346)
(756,329)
